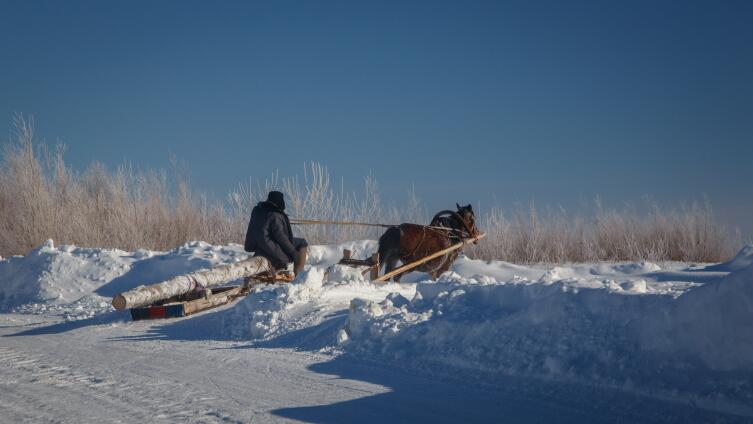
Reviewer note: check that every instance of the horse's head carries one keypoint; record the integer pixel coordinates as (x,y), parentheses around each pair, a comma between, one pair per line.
(469,219)
(463,220)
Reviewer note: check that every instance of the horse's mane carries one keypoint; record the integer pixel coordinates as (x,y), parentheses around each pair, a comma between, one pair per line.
(439,215)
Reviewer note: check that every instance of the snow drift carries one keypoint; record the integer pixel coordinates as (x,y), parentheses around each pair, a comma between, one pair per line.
(693,343)
(80,282)
(62,279)
(669,329)
(314,297)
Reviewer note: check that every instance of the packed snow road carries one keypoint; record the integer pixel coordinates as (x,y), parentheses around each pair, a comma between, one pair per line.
(486,342)
(112,370)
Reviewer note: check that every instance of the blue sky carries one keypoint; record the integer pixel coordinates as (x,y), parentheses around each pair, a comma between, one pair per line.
(505,102)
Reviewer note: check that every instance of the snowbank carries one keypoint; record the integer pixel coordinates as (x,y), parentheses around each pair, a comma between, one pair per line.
(312,298)
(48,277)
(743,260)
(623,331)
(713,322)
(671,329)
(79,282)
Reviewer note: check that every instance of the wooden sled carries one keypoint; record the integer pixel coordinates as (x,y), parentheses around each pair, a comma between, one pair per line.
(187,304)
(371,263)
(191,303)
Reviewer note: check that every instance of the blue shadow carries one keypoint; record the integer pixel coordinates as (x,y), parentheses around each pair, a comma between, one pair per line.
(62,327)
(414,398)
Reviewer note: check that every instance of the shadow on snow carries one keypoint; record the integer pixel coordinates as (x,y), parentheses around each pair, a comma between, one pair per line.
(65,326)
(413,396)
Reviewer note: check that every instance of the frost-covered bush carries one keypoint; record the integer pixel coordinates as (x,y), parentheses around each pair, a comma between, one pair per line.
(689,234)
(41,198)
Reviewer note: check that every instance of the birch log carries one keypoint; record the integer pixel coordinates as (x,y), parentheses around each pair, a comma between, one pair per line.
(182,284)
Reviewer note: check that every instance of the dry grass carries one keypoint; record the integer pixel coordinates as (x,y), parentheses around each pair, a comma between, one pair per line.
(685,234)
(41,197)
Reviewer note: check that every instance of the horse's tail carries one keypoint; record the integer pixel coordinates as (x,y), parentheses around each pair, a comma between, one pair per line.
(389,243)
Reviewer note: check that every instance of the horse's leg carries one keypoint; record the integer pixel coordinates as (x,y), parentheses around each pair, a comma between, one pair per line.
(399,276)
(389,248)
(436,271)
(390,263)
(444,268)
(447,264)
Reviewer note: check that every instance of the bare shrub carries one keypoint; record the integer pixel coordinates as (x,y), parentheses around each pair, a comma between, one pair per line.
(315,197)
(41,198)
(686,234)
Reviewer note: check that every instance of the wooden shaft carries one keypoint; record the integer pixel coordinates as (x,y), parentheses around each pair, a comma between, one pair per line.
(435,255)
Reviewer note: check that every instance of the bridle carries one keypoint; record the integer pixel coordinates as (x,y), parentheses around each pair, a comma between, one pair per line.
(466,227)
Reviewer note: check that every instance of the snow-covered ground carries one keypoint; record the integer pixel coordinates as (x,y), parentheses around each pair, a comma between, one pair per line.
(486,342)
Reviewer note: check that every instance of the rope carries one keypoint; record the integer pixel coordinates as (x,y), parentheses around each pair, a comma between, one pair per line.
(314,222)
(295,221)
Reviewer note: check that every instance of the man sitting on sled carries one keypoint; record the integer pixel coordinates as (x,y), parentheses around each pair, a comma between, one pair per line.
(270,235)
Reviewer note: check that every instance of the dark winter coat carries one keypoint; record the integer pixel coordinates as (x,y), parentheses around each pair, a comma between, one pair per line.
(269,235)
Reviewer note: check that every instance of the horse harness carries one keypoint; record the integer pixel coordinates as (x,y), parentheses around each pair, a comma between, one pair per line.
(446,232)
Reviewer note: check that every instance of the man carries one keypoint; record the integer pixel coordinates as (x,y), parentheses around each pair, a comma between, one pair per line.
(269,235)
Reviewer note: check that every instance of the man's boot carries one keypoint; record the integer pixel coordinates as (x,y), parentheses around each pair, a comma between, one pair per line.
(300,260)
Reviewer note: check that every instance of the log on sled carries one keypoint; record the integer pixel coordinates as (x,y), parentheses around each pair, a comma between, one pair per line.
(197,301)
(188,283)
(187,304)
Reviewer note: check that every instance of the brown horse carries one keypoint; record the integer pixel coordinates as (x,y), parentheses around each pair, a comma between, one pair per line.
(411,242)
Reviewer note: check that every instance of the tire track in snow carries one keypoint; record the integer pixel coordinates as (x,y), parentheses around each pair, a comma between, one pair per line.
(35,369)
(43,385)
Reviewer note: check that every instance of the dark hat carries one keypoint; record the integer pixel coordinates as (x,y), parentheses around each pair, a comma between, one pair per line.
(277,198)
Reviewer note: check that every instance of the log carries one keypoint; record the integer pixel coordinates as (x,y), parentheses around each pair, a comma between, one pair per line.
(434,255)
(217,299)
(182,284)
(196,302)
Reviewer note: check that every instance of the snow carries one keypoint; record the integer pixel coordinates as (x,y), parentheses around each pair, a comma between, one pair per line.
(741,261)
(76,281)
(281,309)
(647,333)
(570,331)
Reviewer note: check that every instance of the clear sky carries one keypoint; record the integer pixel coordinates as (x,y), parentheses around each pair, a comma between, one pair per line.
(552,101)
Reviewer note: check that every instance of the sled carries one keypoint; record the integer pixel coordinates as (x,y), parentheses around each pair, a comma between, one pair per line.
(371,263)
(186,284)
(207,298)
(188,304)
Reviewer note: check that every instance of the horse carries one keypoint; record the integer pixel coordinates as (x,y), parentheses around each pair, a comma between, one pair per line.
(411,242)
